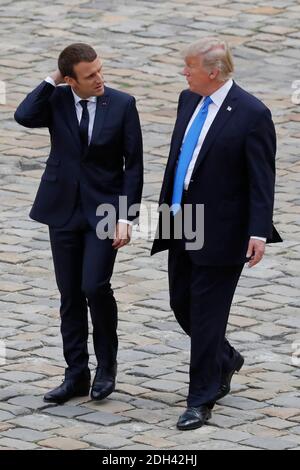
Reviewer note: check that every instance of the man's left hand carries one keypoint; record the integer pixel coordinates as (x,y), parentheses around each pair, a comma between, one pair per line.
(122,235)
(256,250)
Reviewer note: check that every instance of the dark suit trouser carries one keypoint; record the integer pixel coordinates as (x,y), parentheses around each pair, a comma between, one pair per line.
(83,267)
(201,297)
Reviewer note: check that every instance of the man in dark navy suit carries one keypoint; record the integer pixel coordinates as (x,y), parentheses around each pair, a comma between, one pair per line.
(222,158)
(94,163)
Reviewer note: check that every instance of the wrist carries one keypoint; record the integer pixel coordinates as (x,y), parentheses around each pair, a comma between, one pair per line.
(57,77)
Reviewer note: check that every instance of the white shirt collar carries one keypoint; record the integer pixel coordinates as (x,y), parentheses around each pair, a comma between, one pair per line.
(77,98)
(219,96)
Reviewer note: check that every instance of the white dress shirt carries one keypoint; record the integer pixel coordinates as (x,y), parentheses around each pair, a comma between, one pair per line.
(217,100)
(91,106)
(92,103)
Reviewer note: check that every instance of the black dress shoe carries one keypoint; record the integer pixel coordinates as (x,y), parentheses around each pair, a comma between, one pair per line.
(226,378)
(68,389)
(104,382)
(193,418)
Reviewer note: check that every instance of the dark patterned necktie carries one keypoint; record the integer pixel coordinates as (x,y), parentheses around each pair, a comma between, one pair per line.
(84,125)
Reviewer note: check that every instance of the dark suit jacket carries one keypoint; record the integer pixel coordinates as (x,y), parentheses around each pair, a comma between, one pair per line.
(112,166)
(233,177)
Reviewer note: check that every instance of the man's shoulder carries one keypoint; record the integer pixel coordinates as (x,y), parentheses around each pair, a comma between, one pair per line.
(121,96)
(187,94)
(60,90)
(249,100)
(186,97)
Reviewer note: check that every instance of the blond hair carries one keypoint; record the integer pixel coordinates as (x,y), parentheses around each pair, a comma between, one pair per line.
(215,53)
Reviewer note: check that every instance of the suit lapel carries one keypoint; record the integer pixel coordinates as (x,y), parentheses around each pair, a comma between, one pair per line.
(181,125)
(225,112)
(101,110)
(182,121)
(71,117)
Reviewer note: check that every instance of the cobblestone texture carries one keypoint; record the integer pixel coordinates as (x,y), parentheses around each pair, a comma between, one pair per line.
(140,44)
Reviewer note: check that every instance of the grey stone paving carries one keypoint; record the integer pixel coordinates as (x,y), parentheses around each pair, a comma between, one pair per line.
(140,43)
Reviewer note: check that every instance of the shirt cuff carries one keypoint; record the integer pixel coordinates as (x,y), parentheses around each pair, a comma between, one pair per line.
(263,239)
(126,222)
(50,80)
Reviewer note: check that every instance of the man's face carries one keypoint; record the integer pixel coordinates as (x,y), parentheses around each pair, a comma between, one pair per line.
(198,78)
(89,79)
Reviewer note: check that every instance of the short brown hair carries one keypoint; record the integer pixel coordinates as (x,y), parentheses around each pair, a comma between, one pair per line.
(72,55)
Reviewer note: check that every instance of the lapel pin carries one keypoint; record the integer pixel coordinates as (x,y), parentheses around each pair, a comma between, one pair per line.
(229,108)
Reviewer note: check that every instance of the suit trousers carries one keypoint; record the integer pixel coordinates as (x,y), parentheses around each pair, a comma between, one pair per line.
(201,297)
(83,267)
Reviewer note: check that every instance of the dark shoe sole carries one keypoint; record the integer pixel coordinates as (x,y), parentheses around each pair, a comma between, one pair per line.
(102,397)
(240,364)
(195,425)
(237,368)
(61,401)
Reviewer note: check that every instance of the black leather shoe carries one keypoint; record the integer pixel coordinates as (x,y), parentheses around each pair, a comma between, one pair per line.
(104,382)
(68,389)
(226,378)
(193,418)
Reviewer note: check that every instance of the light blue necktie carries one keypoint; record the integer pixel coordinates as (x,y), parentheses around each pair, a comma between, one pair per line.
(186,153)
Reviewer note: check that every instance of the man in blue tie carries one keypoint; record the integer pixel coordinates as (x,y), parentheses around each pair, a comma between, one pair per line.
(222,158)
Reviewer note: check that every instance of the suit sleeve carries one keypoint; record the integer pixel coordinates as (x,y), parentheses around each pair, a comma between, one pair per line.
(35,111)
(260,154)
(133,161)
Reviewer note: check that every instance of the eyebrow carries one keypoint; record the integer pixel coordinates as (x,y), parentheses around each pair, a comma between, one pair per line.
(98,70)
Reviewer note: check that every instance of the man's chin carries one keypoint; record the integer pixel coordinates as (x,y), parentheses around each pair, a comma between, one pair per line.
(99,91)
(195,90)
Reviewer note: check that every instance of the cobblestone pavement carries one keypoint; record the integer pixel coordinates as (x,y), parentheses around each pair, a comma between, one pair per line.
(140,43)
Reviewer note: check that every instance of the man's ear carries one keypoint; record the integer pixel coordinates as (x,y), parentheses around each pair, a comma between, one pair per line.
(69,80)
(214,73)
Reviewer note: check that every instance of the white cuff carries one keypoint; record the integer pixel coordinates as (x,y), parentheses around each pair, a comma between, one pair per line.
(126,222)
(263,239)
(50,80)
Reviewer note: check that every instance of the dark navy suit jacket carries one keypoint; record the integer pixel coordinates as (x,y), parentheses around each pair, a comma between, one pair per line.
(233,177)
(112,166)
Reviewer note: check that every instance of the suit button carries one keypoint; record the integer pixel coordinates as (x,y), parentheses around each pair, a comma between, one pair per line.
(191,181)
